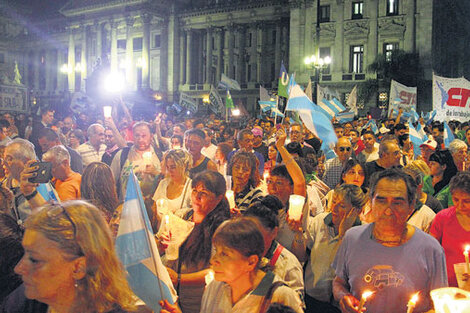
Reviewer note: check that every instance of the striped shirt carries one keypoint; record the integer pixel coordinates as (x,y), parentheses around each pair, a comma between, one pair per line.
(89,154)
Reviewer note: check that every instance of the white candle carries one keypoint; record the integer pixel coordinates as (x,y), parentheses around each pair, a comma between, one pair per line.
(209,277)
(107,109)
(265,176)
(296,204)
(147,156)
(365,295)
(467,263)
(231,198)
(412,303)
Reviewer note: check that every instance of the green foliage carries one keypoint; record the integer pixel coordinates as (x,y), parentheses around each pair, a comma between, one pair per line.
(366,90)
(404,67)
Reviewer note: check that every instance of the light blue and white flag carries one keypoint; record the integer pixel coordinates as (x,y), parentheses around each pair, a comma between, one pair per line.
(416,138)
(311,116)
(267,105)
(345,117)
(373,126)
(448,135)
(228,83)
(137,250)
(292,83)
(276,113)
(414,115)
(325,107)
(421,131)
(428,117)
(337,106)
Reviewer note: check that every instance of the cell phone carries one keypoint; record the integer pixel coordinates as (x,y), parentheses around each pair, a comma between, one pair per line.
(44,173)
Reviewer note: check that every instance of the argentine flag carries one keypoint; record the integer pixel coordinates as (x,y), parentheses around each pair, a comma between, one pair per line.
(312,117)
(416,138)
(137,250)
(345,117)
(373,126)
(448,135)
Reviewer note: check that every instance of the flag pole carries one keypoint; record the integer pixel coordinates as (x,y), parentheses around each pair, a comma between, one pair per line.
(147,236)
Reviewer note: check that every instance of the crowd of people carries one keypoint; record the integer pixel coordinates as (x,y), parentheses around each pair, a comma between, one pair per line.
(376,215)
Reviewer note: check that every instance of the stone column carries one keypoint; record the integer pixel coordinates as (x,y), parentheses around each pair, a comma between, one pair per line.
(277,51)
(164,60)
(208,55)
(129,52)
(241,33)
(114,54)
(48,70)
(146,18)
(200,39)
(220,54)
(182,52)
(60,75)
(188,56)
(71,61)
(260,62)
(99,40)
(254,53)
(338,63)
(84,58)
(230,46)
(25,64)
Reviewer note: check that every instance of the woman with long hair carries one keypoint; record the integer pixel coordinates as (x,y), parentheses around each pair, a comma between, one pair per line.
(443,169)
(70,264)
(243,168)
(209,209)
(99,188)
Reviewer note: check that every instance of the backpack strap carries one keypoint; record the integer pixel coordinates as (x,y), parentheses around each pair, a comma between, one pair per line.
(267,298)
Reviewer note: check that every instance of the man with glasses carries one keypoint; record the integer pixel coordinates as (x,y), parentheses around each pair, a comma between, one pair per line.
(297,135)
(389,156)
(334,167)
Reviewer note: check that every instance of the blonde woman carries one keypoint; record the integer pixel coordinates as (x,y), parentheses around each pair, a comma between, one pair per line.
(175,188)
(70,264)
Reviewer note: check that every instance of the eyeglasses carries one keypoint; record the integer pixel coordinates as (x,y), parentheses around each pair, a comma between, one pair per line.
(342,149)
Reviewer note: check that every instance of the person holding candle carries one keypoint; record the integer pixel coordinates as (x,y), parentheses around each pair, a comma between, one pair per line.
(285,180)
(243,168)
(175,188)
(209,209)
(325,232)
(239,285)
(451,227)
(388,257)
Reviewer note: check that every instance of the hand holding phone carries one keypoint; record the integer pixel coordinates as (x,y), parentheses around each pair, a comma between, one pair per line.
(43,173)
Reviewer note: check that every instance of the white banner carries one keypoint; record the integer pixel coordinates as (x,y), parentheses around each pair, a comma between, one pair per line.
(216,100)
(188,102)
(450,98)
(406,95)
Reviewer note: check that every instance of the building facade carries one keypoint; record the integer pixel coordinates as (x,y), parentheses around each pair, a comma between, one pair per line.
(169,47)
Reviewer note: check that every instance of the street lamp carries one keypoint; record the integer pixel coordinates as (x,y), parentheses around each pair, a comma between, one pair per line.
(318,64)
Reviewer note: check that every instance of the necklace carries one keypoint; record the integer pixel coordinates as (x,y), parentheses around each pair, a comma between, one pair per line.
(391,242)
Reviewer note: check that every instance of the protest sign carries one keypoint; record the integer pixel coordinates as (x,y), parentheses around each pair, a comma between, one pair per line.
(450,98)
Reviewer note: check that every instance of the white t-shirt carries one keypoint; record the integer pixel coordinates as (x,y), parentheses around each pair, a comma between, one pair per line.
(181,202)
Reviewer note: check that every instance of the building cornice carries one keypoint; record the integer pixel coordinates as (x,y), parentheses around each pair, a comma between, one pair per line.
(233,7)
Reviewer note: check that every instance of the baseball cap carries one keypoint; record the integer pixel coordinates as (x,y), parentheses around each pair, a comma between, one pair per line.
(431,144)
(257,131)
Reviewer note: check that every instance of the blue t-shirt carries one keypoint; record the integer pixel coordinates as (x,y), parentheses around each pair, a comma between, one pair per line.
(394,274)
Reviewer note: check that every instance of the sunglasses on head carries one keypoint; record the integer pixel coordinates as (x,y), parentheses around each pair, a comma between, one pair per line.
(342,149)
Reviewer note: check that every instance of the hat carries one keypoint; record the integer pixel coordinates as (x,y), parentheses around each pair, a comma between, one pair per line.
(257,131)
(431,144)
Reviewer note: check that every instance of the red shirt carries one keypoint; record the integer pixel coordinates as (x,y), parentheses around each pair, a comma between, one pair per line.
(453,238)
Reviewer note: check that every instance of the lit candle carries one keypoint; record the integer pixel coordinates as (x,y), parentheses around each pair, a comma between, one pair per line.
(365,295)
(209,277)
(265,176)
(412,303)
(467,263)
(160,203)
(107,109)
(231,198)
(296,204)
(147,156)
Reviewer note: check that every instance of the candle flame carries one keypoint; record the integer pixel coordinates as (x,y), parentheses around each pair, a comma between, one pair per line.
(366,294)
(467,248)
(167,219)
(414,299)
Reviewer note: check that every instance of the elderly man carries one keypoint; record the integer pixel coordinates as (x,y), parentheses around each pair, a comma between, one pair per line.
(297,135)
(389,257)
(245,142)
(334,167)
(94,148)
(389,156)
(49,138)
(141,157)
(65,180)
(458,149)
